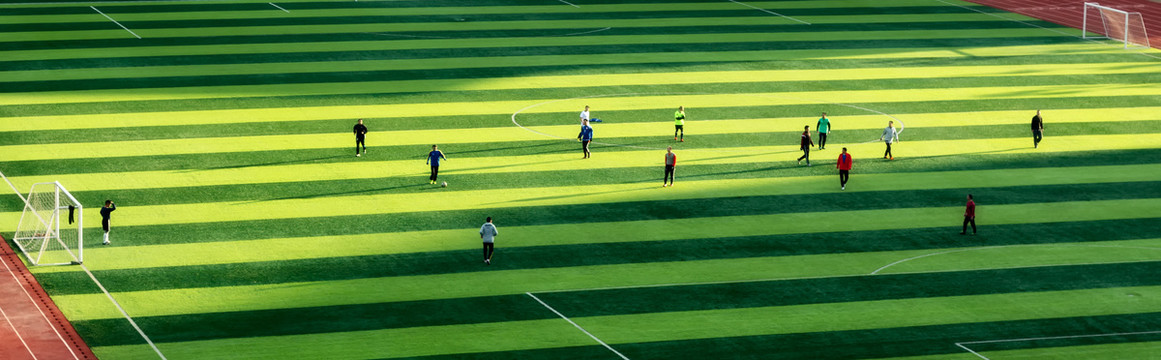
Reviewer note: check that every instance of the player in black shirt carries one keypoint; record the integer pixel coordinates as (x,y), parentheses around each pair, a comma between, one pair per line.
(1037,129)
(360,136)
(105,213)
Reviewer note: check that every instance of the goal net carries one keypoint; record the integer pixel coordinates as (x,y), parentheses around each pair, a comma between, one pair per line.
(1103,22)
(49,232)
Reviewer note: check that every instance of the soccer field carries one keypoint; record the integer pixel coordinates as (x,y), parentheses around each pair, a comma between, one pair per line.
(247,229)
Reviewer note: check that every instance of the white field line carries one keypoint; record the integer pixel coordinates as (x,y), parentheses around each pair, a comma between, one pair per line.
(962,344)
(577,326)
(119,308)
(1038,26)
(571,4)
(115,21)
(17,332)
(767,11)
(279,7)
(38,308)
(876,272)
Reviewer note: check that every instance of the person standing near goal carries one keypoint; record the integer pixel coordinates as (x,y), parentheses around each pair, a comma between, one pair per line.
(679,123)
(360,137)
(433,158)
(889,136)
(670,167)
(106,212)
(488,233)
(1037,130)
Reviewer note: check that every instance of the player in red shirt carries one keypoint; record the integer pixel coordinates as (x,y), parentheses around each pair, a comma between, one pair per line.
(969,216)
(844,167)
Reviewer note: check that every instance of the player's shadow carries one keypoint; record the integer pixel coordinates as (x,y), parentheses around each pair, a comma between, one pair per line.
(498,167)
(287,162)
(555,197)
(342,193)
(493,150)
(960,154)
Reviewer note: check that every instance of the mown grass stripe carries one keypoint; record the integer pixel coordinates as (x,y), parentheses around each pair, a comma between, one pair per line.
(357,291)
(610,103)
(193,87)
(456,339)
(295,321)
(388,203)
(342,263)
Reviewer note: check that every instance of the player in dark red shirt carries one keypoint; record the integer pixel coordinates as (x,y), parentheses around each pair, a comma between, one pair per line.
(969,216)
(805,145)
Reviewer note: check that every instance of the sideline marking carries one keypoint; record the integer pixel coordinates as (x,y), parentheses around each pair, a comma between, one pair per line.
(279,7)
(961,344)
(566,2)
(122,310)
(766,11)
(115,21)
(901,125)
(17,332)
(38,308)
(1034,25)
(577,326)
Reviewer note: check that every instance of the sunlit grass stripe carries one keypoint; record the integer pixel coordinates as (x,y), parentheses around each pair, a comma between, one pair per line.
(544,24)
(183,86)
(632,301)
(444,200)
(850,70)
(342,263)
(534,334)
(600,104)
(935,342)
(130,12)
(237,20)
(373,290)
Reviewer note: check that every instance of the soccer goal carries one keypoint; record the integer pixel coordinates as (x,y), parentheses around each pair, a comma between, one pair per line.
(50,228)
(1109,23)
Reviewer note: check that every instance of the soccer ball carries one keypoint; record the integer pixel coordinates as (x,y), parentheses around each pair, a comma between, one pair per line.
(444,184)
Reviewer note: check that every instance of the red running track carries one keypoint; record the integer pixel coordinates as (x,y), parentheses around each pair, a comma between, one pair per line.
(31,326)
(1071,12)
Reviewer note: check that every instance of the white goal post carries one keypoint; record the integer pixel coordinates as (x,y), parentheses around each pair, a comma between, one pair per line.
(1109,23)
(51,227)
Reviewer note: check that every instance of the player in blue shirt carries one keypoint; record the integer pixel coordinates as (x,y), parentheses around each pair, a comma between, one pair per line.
(433,158)
(585,136)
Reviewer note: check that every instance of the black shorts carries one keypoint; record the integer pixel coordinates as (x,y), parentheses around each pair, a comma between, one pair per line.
(679,127)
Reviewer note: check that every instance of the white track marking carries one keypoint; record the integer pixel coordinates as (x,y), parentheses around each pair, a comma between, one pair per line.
(1038,26)
(279,7)
(577,326)
(961,344)
(767,11)
(122,310)
(876,272)
(115,21)
(38,308)
(517,123)
(17,332)
(566,2)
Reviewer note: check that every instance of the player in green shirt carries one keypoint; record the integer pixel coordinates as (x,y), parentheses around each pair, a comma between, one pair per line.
(823,130)
(679,123)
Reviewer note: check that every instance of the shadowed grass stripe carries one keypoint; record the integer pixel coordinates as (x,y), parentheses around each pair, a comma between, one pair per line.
(890,343)
(795,319)
(629,301)
(251,270)
(244,54)
(469,80)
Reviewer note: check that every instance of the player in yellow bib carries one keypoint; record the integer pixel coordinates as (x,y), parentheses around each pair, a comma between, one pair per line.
(679,123)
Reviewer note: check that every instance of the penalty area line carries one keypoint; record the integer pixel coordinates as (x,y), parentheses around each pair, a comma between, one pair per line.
(126,314)
(962,344)
(114,21)
(570,4)
(766,11)
(577,326)
(279,7)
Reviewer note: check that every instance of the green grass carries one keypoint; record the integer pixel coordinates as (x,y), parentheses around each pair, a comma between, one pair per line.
(247,230)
